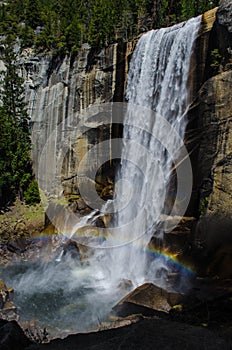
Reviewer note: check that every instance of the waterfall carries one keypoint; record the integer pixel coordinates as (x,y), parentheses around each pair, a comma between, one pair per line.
(154,128)
(66,294)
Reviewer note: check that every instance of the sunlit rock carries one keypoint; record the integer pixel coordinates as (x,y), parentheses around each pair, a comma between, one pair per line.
(147,299)
(8,310)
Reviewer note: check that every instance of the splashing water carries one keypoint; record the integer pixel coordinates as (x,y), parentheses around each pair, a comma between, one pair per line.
(85,220)
(154,129)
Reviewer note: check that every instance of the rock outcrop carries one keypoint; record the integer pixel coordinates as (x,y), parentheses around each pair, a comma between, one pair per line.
(58,91)
(210,138)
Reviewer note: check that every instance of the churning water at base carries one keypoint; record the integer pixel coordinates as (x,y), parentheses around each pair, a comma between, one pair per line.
(69,296)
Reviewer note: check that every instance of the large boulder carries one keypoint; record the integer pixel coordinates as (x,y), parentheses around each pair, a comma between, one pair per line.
(147,299)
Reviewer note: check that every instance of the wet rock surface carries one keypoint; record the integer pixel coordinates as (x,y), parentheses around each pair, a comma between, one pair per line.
(147,299)
(31,233)
(208,303)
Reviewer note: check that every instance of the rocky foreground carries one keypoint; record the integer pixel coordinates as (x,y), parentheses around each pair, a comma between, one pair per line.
(147,318)
(147,333)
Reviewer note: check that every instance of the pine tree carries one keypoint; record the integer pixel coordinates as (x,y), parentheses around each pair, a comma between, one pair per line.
(6,152)
(15,159)
(187,9)
(102,24)
(32,14)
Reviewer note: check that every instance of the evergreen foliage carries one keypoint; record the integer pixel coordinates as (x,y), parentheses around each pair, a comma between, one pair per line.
(15,146)
(66,24)
(31,193)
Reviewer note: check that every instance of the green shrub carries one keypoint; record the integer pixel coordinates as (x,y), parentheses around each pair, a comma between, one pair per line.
(31,194)
(204,202)
(216,58)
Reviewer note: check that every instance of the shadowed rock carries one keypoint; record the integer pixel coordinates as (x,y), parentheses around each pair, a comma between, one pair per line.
(147,334)
(12,337)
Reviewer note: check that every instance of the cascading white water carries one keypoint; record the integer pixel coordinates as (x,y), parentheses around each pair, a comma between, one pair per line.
(157,90)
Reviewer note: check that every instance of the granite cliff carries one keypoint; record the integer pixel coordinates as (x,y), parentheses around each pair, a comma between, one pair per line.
(210,125)
(60,88)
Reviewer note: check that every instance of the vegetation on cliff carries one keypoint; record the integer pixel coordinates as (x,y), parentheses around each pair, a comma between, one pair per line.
(65,24)
(16,177)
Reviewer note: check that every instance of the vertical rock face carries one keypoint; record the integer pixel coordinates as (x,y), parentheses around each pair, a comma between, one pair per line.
(210,135)
(215,149)
(58,90)
(211,116)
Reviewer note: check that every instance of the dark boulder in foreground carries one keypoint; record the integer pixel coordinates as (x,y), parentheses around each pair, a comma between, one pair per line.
(12,336)
(147,334)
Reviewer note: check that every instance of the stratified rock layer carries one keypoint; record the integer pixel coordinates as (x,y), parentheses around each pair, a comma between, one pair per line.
(58,91)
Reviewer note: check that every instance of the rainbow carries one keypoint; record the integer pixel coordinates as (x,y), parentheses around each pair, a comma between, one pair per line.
(167,256)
